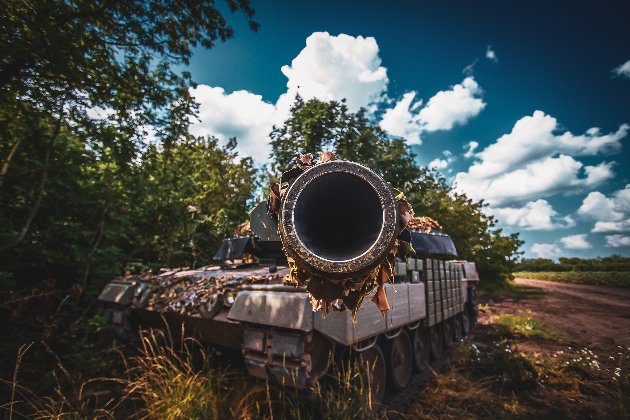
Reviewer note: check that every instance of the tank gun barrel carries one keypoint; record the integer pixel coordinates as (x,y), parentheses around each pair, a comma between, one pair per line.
(339,219)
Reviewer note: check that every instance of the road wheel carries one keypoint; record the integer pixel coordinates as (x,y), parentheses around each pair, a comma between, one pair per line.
(374,374)
(448,332)
(420,349)
(436,340)
(399,359)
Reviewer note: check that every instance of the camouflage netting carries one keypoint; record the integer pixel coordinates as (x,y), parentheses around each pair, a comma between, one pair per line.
(423,224)
(193,294)
(346,294)
(244,229)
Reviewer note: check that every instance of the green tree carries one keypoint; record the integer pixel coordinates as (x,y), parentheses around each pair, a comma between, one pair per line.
(316,125)
(64,59)
(187,199)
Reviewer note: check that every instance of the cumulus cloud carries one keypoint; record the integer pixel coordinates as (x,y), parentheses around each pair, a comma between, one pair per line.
(240,114)
(609,227)
(622,70)
(402,121)
(535,215)
(612,214)
(542,178)
(448,108)
(535,161)
(470,148)
(443,111)
(491,55)
(331,68)
(442,163)
(328,68)
(551,251)
(576,242)
(617,241)
(438,164)
(335,68)
(599,207)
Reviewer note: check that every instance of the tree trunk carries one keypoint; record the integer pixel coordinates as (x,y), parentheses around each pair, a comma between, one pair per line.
(97,241)
(42,183)
(7,161)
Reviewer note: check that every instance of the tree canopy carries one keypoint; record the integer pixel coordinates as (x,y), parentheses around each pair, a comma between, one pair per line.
(97,160)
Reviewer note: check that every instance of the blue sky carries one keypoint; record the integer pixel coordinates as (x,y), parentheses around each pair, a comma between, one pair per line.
(540,87)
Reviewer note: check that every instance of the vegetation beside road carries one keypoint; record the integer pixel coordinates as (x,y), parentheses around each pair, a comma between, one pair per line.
(601,278)
(611,263)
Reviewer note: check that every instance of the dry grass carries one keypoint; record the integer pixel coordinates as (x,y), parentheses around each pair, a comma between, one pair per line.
(496,376)
(168,380)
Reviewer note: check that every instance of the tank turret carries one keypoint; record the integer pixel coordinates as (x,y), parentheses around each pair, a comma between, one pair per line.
(340,225)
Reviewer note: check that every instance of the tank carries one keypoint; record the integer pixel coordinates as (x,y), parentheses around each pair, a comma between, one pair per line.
(322,273)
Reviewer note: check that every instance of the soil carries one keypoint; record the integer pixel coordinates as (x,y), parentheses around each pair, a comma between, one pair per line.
(590,315)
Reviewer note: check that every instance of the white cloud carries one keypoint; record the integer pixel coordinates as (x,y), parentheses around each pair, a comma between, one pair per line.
(331,68)
(239,114)
(539,179)
(335,68)
(448,108)
(609,227)
(576,242)
(535,215)
(443,111)
(470,149)
(597,206)
(617,241)
(328,68)
(622,70)
(551,251)
(491,55)
(98,113)
(612,214)
(402,121)
(438,164)
(533,161)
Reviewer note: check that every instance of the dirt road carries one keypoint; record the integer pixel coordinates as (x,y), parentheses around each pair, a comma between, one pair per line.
(584,313)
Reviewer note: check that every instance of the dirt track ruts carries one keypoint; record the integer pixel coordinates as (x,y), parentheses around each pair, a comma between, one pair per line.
(585,313)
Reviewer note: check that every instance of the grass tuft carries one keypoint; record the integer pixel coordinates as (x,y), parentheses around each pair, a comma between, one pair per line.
(525,326)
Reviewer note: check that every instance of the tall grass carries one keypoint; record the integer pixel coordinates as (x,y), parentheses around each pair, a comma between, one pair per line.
(175,380)
(70,398)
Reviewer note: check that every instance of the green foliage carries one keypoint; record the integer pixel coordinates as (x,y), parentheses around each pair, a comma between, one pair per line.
(188,198)
(525,326)
(603,278)
(611,263)
(81,190)
(316,125)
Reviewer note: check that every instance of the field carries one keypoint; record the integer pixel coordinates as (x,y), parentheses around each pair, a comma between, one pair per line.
(602,278)
(538,353)
(530,357)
